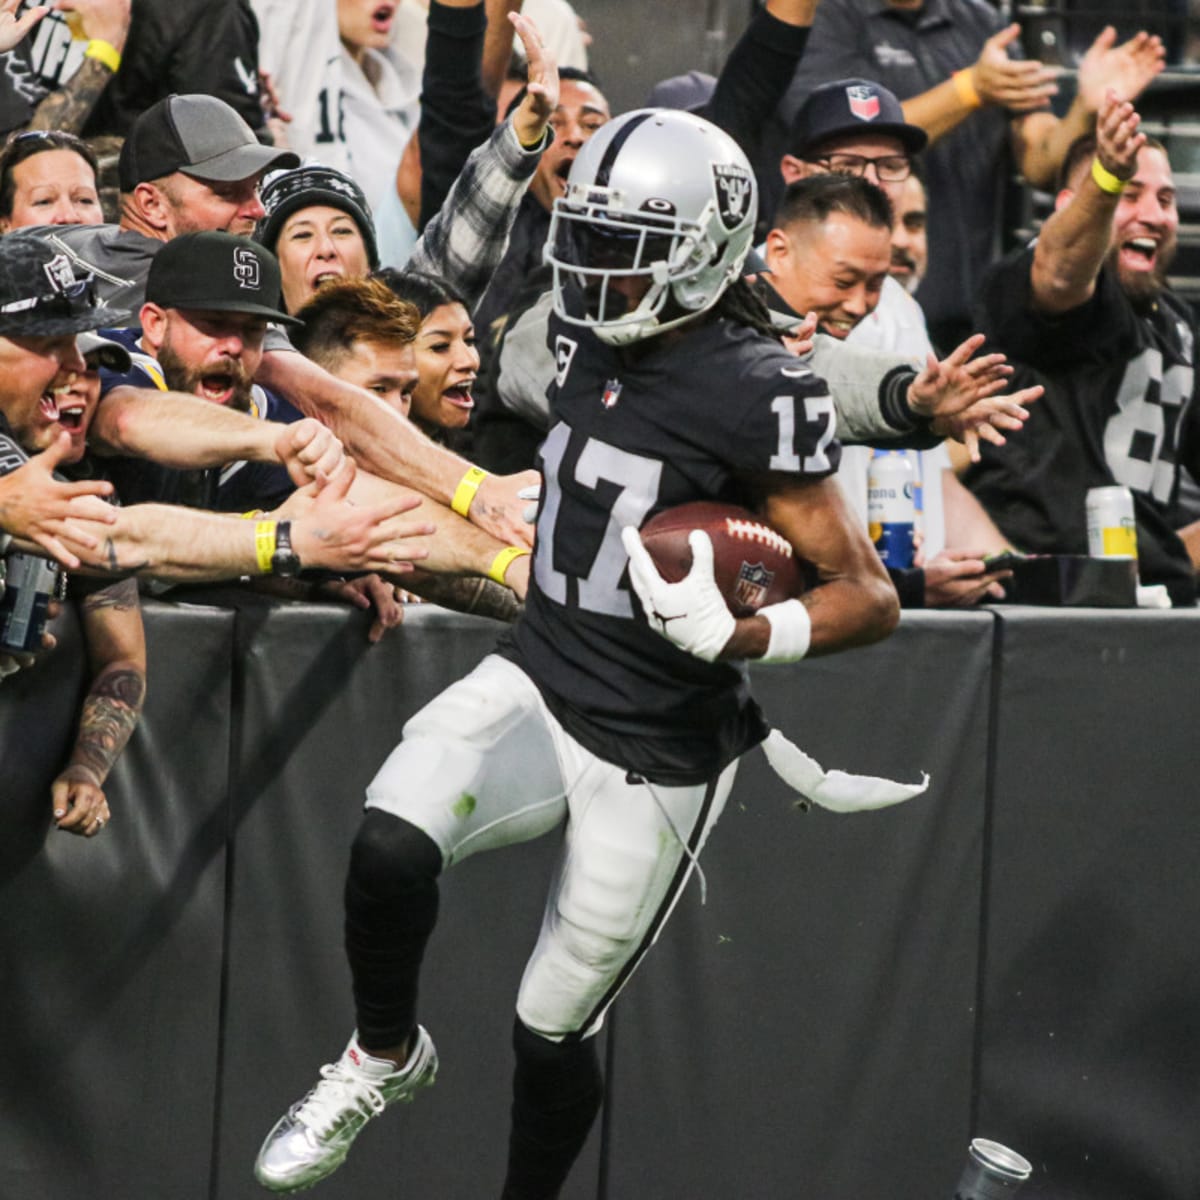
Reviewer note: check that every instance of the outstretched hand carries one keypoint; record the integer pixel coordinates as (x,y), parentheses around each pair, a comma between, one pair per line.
(502,506)
(1118,138)
(339,535)
(36,506)
(961,397)
(1128,69)
(1020,85)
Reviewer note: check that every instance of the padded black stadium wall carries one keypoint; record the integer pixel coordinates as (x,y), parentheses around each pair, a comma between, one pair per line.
(1011,955)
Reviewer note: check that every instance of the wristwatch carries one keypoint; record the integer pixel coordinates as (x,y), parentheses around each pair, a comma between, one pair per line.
(284,561)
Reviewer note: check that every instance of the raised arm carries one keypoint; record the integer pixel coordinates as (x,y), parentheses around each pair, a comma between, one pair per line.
(457,111)
(1075,239)
(992,79)
(387,444)
(759,68)
(105,26)
(1024,88)
(467,238)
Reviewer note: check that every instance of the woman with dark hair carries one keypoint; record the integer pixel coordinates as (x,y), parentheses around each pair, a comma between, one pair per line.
(447,359)
(318,225)
(48,178)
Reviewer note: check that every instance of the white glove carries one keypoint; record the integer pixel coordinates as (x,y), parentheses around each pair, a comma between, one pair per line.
(835,790)
(8,665)
(691,613)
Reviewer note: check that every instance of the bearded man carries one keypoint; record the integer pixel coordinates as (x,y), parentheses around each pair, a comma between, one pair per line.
(1087,312)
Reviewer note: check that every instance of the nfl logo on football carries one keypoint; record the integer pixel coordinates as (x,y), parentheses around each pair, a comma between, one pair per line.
(752,583)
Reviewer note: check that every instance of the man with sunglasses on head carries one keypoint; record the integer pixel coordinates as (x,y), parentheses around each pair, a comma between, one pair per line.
(190,163)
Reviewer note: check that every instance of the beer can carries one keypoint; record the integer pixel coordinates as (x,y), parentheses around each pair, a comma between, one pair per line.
(993,1172)
(1112,530)
(30,584)
(891,508)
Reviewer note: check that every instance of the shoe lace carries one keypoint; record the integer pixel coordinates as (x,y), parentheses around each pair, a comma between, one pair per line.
(341,1089)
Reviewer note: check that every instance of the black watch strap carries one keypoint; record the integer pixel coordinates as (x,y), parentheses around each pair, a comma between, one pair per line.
(285,561)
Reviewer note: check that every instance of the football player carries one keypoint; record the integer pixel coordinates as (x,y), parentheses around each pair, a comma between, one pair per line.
(618,704)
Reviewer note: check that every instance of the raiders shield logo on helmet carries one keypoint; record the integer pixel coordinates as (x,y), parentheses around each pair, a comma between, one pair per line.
(863,101)
(752,583)
(735,189)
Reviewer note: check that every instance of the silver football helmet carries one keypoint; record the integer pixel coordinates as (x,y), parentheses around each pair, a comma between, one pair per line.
(659,207)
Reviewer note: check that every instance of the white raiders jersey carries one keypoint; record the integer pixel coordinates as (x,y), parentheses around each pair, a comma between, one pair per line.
(300,49)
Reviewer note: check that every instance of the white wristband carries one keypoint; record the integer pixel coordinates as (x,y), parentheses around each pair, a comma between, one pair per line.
(791,631)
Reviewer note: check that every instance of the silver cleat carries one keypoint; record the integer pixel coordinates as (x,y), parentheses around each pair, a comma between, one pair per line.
(311,1140)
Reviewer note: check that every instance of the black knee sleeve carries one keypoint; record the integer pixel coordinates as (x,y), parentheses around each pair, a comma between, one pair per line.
(391,909)
(557,1091)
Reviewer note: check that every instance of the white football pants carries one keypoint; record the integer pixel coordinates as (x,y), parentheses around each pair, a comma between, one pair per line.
(485,764)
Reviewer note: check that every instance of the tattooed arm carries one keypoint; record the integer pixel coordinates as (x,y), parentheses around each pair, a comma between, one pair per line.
(112,625)
(69,107)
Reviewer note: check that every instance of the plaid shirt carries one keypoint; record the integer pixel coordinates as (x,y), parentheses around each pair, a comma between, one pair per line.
(467,238)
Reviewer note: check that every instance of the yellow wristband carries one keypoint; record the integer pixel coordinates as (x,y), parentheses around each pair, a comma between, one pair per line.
(264,544)
(252,515)
(964,85)
(503,561)
(1106,181)
(104,52)
(468,485)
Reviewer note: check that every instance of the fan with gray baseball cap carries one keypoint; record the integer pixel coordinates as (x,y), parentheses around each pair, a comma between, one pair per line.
(43,295)
(189,162)
(201,136)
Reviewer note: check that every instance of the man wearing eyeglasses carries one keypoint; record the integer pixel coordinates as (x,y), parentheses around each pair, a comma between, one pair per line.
(957,68)
(856,127)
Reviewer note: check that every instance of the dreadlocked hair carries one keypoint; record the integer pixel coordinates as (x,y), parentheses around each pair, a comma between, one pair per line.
(743,304)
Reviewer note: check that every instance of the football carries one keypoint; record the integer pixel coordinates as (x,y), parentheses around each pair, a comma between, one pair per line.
(753,564)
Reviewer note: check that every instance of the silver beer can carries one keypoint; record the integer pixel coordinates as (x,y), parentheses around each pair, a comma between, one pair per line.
(1112,530)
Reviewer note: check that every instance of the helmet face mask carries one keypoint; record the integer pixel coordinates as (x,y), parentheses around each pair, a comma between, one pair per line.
(656,221)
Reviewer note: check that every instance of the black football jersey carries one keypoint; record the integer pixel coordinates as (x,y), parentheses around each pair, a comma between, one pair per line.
(1119,408)
(682,417)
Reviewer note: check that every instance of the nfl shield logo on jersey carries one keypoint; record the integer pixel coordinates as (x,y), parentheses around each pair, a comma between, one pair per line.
(863,101)
(752,583)
(612,393)
(734,190)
